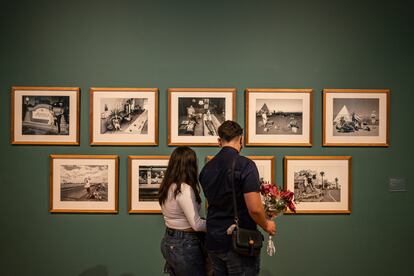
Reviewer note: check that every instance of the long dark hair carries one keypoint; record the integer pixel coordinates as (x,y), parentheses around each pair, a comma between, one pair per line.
(182,168)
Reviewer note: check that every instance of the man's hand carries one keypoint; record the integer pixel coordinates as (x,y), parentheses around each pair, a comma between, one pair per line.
(256,211)
(270,227)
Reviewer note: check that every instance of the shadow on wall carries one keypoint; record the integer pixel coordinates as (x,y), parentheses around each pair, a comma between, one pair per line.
(266,272)
(100,270)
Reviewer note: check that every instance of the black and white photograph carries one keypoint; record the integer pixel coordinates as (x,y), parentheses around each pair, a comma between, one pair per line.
(145,174)
(195,114)
(316,186)
(279,117)
(321,184)
(124,116)
(150,178)
(356,117)
(84,183)
(45,115)
(200,116)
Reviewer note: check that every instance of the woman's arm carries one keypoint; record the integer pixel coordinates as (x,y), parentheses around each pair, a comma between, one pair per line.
(187,202)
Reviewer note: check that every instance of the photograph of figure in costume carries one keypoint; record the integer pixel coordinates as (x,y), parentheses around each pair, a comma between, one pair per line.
(279,116)
(355,117)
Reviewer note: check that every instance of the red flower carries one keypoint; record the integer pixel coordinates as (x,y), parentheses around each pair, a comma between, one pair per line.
(277,199)
(265,188)
(274,191)
(292,207)
(287,196)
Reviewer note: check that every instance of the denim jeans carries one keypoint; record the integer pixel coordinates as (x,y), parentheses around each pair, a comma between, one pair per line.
(231,263)
(183,252)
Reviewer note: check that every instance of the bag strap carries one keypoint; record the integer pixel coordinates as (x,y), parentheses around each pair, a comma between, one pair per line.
(236,216)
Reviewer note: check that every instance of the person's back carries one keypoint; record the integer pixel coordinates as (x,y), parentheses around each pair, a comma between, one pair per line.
(216,181)
(180,201)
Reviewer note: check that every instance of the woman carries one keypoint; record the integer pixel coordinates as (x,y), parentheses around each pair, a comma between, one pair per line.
(179,197)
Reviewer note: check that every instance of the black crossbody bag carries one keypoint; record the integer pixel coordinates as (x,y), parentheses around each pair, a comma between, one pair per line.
(245,242)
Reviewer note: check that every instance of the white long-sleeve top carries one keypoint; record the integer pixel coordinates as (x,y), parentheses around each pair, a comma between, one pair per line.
(182,212)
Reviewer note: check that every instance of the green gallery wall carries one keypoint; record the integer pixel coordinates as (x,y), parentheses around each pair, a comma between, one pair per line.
(162,44)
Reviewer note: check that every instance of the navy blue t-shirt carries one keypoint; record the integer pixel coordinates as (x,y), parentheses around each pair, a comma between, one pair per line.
(215,180)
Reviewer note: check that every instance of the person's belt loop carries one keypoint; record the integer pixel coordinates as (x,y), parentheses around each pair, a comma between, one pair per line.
(178,233)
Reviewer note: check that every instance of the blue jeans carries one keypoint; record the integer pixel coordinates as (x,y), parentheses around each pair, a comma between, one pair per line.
(231,263)
(183,252)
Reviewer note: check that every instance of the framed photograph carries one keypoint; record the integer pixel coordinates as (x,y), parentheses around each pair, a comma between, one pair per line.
(196,113)
(279,117)
(356,117)
(321,184)
(145,176)
(265,166)
(83,183)
(45,115)
(124,116)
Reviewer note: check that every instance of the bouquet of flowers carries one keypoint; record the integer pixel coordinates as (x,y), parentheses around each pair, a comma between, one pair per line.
(276,201)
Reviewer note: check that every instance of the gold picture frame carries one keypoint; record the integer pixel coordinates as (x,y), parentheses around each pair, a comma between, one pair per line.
(84,184)
(150,165)
(123,116)
(321,184)
(182,130)
(275,129)
(43,115)
(356,117)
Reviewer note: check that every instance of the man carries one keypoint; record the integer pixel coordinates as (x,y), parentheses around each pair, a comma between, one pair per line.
(58,113)
(215,180)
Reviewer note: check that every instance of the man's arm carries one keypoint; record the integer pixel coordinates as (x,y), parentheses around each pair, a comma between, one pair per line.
(257,213)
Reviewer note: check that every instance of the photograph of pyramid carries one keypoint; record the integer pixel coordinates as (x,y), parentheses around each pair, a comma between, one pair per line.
(355,117)
(279,116)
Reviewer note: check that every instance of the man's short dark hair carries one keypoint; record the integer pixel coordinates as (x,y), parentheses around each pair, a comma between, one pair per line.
(229,130)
